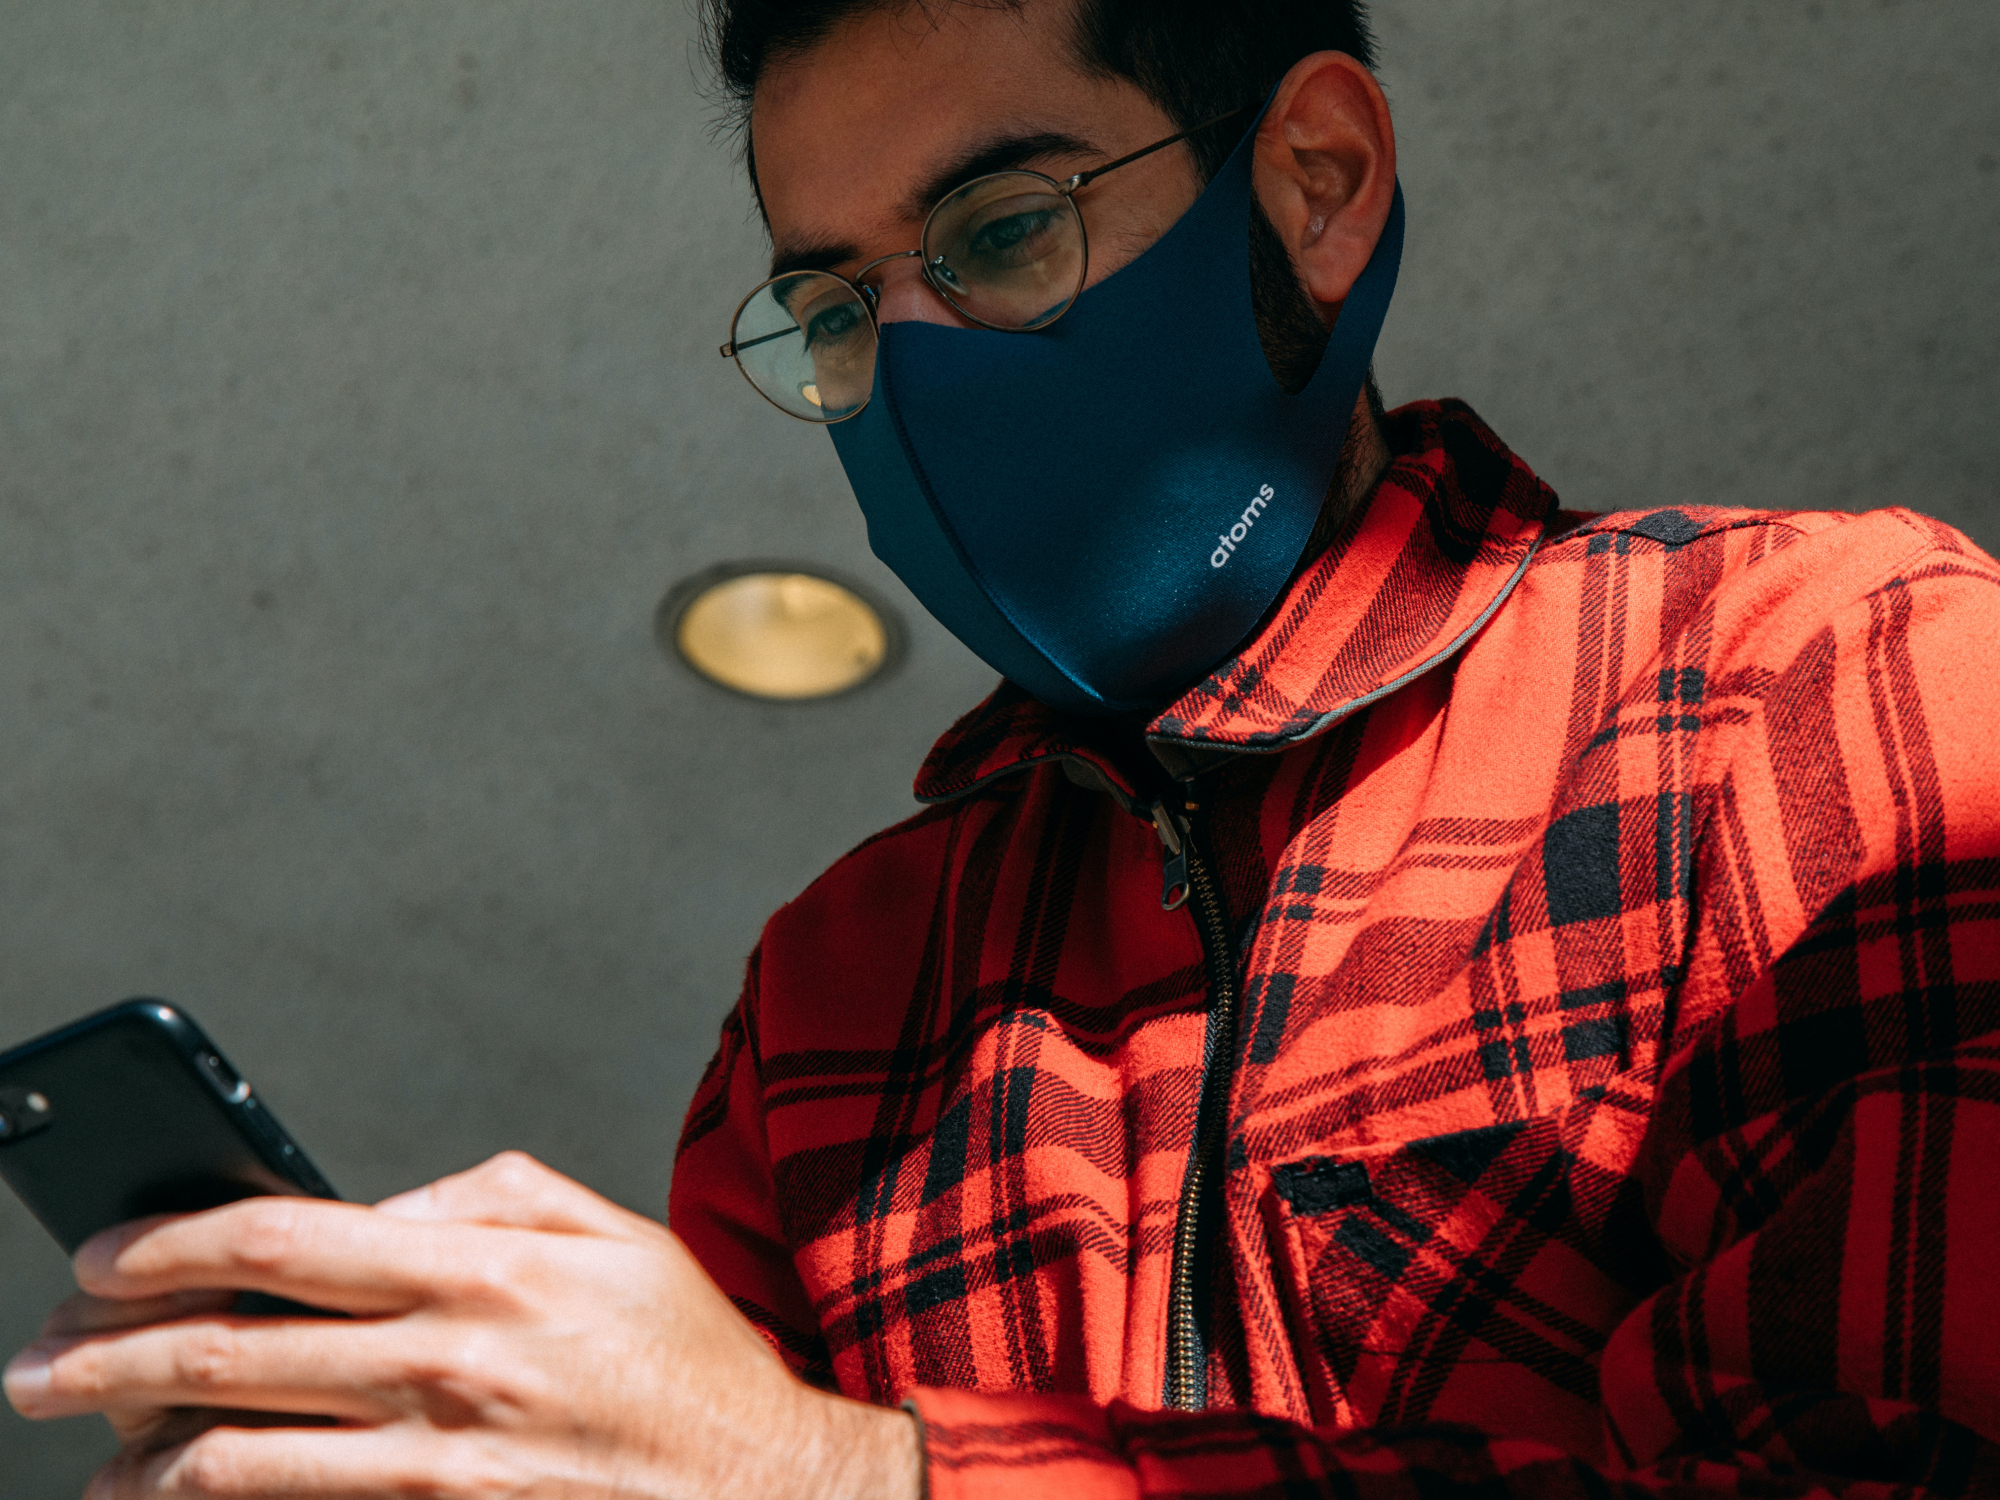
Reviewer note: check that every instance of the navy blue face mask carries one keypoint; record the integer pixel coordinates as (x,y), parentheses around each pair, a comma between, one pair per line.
(1104,509)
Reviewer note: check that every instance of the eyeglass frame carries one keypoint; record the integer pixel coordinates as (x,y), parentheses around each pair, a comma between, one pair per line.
(869,297)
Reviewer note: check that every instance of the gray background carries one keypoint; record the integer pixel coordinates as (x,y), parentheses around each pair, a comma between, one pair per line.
(358,403)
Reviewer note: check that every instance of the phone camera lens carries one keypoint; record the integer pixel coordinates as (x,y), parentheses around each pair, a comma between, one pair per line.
(23,1113)
(224,1079)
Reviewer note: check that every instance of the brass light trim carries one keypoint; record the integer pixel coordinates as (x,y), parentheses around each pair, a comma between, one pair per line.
(783,632)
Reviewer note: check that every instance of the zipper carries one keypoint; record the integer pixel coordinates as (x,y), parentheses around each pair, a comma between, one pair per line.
(1174,868)
(1189,879)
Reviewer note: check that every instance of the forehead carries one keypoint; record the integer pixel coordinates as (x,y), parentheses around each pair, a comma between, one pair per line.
(844,133)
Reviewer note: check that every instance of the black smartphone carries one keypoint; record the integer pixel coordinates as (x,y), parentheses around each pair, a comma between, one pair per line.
(134,1111)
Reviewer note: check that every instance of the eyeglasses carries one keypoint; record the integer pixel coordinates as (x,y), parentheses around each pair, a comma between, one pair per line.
(1008,251)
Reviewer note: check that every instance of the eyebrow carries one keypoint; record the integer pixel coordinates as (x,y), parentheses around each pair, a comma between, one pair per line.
(812,255)
(1001,154)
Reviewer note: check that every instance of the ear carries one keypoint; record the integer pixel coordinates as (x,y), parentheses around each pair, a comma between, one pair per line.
(1325,172)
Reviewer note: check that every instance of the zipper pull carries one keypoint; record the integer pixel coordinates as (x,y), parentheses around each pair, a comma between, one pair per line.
(1174,873)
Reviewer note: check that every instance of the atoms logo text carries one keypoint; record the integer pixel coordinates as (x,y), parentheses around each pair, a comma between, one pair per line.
(1233,537)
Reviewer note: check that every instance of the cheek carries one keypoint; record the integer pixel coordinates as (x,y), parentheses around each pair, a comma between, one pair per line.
(1114,250)
(1121,229)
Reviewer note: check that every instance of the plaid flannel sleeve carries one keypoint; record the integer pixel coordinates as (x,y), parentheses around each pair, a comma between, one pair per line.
(724,1199)
(1823,1163)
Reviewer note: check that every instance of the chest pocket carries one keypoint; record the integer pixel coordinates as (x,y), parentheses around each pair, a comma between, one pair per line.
(1471,1277)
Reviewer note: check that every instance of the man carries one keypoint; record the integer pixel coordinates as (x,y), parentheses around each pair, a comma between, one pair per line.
(1468,999)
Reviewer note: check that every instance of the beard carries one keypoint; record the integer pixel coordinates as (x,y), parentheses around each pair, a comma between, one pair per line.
(1294,339)
(1288,323)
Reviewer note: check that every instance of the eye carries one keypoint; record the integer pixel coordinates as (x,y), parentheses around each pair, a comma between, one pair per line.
(1016,238)
(833,324)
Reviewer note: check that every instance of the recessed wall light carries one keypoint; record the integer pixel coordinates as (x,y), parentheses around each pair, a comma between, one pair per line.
(772,630)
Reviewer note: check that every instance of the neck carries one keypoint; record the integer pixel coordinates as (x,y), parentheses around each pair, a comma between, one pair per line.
(1364,458)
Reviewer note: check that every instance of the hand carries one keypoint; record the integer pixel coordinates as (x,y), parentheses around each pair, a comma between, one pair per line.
(512,1334)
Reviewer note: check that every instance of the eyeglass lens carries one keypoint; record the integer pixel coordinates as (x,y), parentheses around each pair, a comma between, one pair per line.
(1008,251)
(808,343)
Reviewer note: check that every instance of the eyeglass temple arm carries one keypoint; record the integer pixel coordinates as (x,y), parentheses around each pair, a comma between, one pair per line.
(733,348)
(1084,179)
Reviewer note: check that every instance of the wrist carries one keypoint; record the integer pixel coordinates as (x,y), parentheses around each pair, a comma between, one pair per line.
(867,1453)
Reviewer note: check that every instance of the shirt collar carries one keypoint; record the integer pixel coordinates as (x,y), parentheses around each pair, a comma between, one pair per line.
(1441,543)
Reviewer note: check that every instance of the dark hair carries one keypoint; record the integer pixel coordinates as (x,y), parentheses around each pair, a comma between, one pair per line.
(1196,59)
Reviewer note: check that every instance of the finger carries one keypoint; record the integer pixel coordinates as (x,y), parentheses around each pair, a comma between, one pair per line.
(84,1313)
(515,1191)
(337,1256)
(348,1371)
(366,1464)
(157,1431)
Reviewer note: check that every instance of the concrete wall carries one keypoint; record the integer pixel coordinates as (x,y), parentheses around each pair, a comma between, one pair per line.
(358,401)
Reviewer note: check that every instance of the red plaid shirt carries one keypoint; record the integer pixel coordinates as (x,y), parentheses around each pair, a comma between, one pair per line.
(1610,1101)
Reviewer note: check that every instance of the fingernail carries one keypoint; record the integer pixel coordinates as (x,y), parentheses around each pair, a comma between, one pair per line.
(95,1257)
(27,1377)
(95,1263)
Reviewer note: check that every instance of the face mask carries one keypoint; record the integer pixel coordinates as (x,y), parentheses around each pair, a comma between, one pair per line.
(1104,509)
